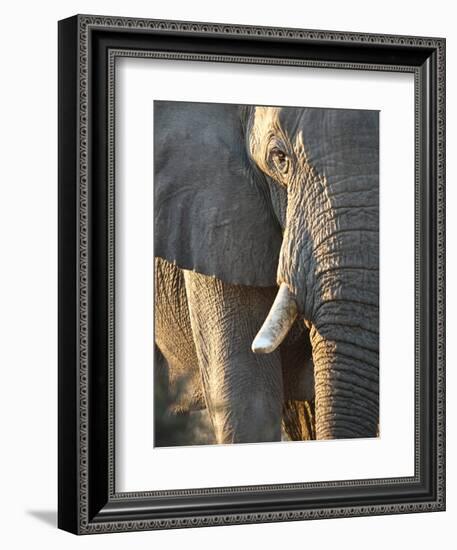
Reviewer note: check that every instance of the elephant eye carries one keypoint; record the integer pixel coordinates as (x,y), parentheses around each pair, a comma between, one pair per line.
(280,160)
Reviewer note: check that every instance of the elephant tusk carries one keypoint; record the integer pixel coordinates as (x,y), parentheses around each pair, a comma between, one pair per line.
(281,317)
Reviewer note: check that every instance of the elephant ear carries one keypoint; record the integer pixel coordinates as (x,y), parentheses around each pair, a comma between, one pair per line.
(210,214)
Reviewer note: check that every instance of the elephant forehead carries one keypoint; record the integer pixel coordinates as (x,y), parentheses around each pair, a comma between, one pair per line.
(264,125)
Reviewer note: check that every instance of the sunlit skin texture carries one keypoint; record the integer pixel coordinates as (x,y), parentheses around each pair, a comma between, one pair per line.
(204,329)
(329,261)
(244,392)
(174,337)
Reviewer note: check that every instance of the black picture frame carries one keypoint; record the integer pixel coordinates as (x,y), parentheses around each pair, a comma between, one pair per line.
(87,501)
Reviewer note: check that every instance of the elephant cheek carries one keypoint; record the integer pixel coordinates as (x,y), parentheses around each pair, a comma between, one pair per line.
(295,270)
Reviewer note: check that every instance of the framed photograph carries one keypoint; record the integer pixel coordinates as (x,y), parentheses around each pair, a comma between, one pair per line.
(251,274)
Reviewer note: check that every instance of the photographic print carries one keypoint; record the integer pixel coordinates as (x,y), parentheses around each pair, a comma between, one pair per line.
(266,273)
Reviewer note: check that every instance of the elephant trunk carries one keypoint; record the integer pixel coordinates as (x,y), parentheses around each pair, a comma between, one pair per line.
(346,371)
(329,263)
(343,311)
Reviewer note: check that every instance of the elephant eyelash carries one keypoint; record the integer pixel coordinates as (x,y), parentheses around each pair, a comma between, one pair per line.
(280,160)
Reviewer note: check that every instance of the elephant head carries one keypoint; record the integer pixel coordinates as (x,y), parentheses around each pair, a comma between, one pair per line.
(265,196)
(326,162)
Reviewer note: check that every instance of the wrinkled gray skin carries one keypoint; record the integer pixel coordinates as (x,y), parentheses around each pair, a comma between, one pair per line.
(247,199)
(204,328)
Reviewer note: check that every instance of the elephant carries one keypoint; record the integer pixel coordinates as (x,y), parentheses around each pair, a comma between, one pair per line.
(266,225)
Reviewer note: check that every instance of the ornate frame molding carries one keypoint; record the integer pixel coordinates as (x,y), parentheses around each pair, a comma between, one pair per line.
(76,512)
